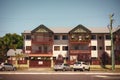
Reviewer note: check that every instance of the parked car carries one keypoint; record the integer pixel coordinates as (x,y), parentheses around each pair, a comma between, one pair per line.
(62,66)
(7,67)
(80,65)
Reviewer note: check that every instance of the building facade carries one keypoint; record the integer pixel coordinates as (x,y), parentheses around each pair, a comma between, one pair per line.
(45,46)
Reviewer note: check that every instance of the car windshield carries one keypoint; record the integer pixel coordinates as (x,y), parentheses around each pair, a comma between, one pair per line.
(66,65)
(78,63)
(8,64)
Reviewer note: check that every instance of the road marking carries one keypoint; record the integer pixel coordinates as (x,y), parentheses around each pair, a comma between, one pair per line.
(108,77)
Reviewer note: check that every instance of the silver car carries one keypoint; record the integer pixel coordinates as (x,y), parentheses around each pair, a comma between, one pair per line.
(62,66)
(7,67)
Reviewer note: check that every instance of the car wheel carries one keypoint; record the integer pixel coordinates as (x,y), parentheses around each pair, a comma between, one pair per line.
(63,69)
(3,69)
(88,69)
(14,69)
(74,69)
(83,69)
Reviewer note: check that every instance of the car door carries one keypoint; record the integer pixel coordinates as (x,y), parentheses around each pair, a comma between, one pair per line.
(67,66)
(8,66)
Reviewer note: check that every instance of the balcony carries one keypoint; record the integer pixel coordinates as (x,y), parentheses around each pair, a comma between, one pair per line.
(76,38)
(79,41)
(43,41)
(79,51)
(41,53)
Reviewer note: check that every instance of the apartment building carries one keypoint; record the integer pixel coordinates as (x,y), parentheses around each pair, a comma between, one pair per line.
(47,46)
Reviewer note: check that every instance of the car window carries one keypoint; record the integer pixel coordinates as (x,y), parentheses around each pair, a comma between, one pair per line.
(66,65)
(77,63)
(8,64)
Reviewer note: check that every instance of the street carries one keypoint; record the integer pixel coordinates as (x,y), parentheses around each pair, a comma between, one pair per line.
(58,76)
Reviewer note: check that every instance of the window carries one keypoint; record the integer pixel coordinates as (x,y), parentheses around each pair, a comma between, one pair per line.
(56,48)
(108,47)
(80,38)
(107,37)
(56,37)
(65,48)
(93,47)
(76,47)
(100,37)
(28,37)
(45,49)
(28,47)
(83,47)
(93,37)
(100,48)
(64,37)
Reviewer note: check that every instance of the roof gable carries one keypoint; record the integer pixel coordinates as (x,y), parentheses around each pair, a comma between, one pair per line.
(80,29)
(42,29)
(117,31)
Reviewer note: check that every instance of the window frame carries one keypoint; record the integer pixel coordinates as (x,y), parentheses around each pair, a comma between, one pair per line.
(107,37)
(56,37)
(93,48)
(65,48)
(28,37)
(64,37)
(28,47)
(108,47)
(56,48)
(93,37)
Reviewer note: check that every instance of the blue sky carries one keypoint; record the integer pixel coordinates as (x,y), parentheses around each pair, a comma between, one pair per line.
(19,15)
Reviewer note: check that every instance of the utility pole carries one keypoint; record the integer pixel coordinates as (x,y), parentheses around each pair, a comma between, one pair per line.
(112,45)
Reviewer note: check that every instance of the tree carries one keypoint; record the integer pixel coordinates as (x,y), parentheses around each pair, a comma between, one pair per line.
(60,59)
(104,59)
(2,50)
(9,41)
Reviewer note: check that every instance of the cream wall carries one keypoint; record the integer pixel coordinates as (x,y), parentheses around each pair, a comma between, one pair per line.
(61,52)
(94,53)
(27,43)
(108,43)
(60,43)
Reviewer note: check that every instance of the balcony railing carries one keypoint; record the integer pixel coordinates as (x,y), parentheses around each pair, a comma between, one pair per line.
(42,52)
(49,41)
(79,51)
(79,41)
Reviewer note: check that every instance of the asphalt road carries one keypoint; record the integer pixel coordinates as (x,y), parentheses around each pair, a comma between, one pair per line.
(59,76)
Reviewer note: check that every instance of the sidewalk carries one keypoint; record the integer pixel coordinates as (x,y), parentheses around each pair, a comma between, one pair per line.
(40,69)
(108,68)
(51,70)
(94,68)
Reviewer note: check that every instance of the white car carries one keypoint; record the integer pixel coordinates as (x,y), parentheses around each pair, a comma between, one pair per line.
(81,66)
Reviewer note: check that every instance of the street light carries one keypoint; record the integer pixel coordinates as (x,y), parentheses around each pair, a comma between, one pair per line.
(112,48)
